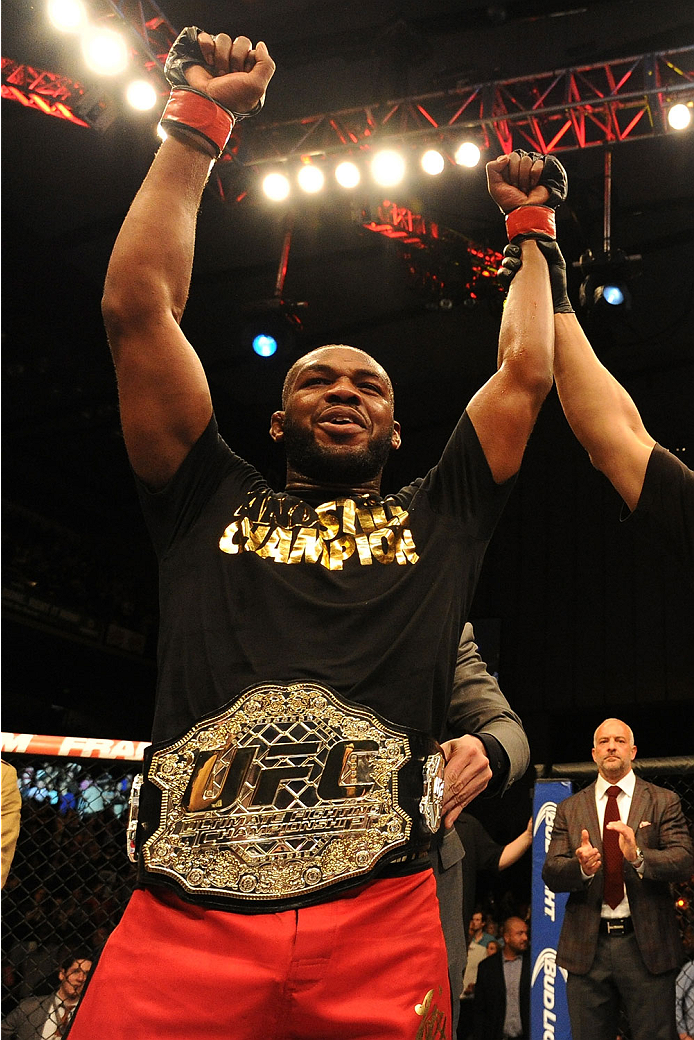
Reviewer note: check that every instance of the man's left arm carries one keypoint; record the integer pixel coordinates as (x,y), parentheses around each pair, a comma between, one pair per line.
(489,747)
(504,410)
(673,857)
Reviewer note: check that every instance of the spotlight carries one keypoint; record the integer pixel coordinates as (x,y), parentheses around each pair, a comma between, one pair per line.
(467,154)
(604,288)
(141,95)
(264,344)
(347,175)
(388,168)
(679,117)
(276,187)
(432,162)
(67,15)
(311,179)
(105,51)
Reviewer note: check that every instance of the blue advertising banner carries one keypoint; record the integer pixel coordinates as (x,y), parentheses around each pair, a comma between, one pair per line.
(549,1016)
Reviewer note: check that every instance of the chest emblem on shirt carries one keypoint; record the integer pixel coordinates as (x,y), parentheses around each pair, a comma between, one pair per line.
(279,528)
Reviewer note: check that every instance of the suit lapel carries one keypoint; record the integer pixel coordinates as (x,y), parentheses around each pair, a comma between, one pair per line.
(590,813)
(639,805)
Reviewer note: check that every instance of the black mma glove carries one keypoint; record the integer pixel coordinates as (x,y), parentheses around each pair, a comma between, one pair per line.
(538,221)
(191,111)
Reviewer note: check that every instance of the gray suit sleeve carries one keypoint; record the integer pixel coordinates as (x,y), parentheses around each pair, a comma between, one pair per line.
(479,707)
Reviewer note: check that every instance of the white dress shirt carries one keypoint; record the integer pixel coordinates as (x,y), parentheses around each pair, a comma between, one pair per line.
(626,785)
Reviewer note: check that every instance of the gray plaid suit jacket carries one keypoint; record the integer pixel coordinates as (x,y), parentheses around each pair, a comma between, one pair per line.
(662,835)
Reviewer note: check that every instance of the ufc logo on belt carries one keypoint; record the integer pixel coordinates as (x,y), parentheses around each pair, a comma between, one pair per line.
(263,776)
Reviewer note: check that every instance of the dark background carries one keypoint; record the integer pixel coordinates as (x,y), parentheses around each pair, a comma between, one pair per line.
(580,617)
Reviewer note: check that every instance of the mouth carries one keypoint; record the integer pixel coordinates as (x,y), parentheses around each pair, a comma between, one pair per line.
(341,421)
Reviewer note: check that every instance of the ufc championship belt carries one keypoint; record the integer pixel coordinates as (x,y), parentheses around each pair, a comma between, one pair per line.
(282,798)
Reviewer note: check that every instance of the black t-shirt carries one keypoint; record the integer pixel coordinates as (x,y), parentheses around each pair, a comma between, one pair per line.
(367,594)
(665,509)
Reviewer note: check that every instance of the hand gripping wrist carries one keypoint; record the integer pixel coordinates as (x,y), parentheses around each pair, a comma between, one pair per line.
(196,114)
(557,275)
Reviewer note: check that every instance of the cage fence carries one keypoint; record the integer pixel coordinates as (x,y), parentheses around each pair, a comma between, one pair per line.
(71,878)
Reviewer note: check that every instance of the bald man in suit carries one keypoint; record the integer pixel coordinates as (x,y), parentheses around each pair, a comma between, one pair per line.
(619,939)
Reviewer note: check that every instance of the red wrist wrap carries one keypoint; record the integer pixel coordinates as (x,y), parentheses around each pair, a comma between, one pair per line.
(531,221)
(192,111)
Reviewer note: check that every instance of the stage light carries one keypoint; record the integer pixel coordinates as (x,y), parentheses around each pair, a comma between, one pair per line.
(67,15)
(679,117)
(141,95)
(347,175)
(432,162)
(311,179)
(105,51)
(606,281)
(613,294)
(467,154)
(276,187)
(264,344)
(388,168)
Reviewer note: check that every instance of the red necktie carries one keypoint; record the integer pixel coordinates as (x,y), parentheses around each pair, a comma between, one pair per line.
(613,891)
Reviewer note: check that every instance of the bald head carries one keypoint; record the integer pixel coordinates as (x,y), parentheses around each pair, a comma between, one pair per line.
(322,355)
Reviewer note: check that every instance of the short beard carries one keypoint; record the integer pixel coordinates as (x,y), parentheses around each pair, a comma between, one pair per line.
(335,465)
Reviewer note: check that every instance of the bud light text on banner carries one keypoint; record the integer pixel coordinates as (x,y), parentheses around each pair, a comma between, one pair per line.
(549,1015)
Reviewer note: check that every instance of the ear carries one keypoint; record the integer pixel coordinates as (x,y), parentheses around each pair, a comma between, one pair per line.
(277,426)
(593,754)
(396,439)
(633,752)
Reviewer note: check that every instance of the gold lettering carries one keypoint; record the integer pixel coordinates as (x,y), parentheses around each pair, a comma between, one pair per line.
(330,522)
(230,541)
(340,549)
(365,558)
(308,545)
(282,554)
(348,515)
(379,516)
(365,519)
(257,533)
(269,547)
(405,549)
(384,553)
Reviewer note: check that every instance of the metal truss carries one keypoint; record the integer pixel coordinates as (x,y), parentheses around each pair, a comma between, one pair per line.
(573,108)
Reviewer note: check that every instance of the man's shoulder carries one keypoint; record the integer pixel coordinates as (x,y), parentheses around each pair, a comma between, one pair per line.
(490,966)
(575,799)
(657,793)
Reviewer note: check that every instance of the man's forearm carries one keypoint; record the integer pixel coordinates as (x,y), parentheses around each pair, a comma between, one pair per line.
(600,411)
(150,268)
(527,336)
(515,849)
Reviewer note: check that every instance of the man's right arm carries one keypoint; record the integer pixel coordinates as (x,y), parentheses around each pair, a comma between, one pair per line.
(164,397)
(600,411)
(562,869)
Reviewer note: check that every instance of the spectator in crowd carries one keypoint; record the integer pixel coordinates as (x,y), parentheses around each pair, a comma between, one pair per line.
(43,1018)
(501,1005)
(493,947)
(684,1010)
(11,811)
(477,930)
(616,847)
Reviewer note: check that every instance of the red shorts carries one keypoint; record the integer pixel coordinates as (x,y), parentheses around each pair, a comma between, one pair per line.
(370,965)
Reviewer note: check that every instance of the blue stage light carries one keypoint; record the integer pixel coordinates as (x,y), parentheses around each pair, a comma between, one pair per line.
(264,345)
(613,295)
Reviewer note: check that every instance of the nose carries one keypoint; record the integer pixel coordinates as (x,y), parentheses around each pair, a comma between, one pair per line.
(343,390)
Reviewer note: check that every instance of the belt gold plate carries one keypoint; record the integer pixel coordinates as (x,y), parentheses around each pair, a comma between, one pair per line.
(285,792)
